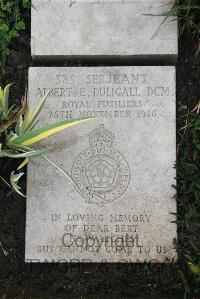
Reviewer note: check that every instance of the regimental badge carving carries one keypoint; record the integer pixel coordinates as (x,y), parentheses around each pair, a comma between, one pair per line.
(101,172)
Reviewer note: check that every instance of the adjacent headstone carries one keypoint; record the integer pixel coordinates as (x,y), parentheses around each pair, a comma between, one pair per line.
(122,161)
(103,29)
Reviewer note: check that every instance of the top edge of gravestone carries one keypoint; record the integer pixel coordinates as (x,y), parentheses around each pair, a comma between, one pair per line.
(37,68)
(103,31)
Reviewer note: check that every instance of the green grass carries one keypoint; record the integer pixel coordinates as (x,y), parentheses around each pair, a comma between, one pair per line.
(188,14)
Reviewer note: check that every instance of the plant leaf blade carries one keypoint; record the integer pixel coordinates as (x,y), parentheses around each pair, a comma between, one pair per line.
(31,137)
(31,117)
(26,160)
(66,173)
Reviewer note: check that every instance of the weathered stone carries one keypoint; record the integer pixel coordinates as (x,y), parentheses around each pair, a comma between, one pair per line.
(110,30)
(123,162)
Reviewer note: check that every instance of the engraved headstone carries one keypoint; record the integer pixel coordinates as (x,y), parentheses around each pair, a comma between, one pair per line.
(103,29)
(123,162)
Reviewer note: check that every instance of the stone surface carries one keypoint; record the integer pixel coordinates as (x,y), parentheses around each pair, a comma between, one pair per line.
(92,29)
(123,162)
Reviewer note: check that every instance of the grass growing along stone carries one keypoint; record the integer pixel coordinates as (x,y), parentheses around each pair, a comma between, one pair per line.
(188,199)
(188,153)
(188,14)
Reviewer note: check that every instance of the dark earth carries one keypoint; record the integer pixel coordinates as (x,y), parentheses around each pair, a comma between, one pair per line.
(71,280)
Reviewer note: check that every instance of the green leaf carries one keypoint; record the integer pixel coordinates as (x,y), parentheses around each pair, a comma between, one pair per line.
(194,269)
(2,101)
(11,136)
(26,3)
(18,126)
(14,178)
(30,118)
(33,153)
(6,95)
(39,134)
(66,173)
(20,25)
(12,34)
(7,6)
(26,160)
(4,27)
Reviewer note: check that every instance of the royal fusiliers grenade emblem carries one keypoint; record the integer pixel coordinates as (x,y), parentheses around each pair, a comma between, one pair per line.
(101,172)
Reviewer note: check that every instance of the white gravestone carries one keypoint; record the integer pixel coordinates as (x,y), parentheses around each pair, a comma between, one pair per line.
(102,29)
(123,162)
